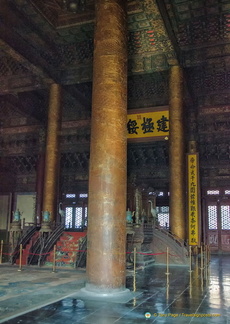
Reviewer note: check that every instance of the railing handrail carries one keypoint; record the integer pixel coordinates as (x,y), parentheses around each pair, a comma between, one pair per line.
(178,240)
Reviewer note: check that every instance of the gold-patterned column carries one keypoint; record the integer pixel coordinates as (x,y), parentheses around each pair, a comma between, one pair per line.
(52,152)
(106,265)
(177,160)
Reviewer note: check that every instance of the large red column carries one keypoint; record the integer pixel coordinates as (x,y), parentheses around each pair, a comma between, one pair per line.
(52,158)
(106,257)
(177,154)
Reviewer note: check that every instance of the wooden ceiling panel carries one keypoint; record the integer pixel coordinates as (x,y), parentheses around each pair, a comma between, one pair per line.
(45,43)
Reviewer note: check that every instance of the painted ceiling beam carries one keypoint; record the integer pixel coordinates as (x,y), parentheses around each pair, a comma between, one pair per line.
(15,101)
(24,49)
(169,29)
(34,69)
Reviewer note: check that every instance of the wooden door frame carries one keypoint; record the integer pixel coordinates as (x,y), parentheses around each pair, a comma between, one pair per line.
(217,200)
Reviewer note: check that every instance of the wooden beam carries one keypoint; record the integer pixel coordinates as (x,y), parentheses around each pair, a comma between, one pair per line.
(24,62)
(13,17)
(35,128)
(24,49)
(16,101)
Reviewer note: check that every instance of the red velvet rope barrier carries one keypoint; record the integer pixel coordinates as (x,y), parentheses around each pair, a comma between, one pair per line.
(66,251)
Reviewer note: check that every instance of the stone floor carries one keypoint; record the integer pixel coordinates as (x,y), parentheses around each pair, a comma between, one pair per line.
(202,296)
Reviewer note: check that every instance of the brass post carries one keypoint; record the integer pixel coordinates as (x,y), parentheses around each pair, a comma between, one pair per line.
(205,259)
(207,262)
(201,258)
(190,284)
(167,262)
(202,280)
(54,259)
(177,154)
(190,258)
(134,268)
(1,251)
(20,258)
(209,255)
(167,288)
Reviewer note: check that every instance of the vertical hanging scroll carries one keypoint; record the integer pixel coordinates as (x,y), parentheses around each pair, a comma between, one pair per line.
(193,199)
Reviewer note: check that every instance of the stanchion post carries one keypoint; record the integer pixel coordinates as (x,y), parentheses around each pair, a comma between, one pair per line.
(190,284)
(134,268)
(1,251)
(209,255)
(54,259)
(190,259)
(201,258)
(167,262)
(206,262)
(20,258)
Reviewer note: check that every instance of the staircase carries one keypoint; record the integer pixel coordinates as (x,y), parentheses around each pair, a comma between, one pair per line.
(26,250)
(82,254)
(28,233)
(137,238)
(151,244)
(161,239)
(68,246)
(44,244)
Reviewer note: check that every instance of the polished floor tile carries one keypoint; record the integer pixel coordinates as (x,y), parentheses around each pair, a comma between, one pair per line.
(197,297)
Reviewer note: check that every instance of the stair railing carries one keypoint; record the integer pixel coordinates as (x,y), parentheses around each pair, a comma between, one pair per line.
(81,255)
(51,241)
(179,241)
(24,240)
(44,245)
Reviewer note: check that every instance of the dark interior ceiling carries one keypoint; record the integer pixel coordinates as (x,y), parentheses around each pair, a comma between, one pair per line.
(42,42)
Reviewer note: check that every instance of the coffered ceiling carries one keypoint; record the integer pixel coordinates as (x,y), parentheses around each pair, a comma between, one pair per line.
(42,42)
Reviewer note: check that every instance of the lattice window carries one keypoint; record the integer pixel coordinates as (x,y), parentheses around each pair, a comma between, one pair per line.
(78,217)
(24,164)
(225,217)
(226,25)
(86,216)
(74,160)
(163,209)
(227,192)
(212,217)
(163,216)
(213,192)
(83,195)
(68,217)
(70,196)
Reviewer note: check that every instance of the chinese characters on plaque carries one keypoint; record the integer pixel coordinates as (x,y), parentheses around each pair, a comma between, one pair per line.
(193,199)
(148,124)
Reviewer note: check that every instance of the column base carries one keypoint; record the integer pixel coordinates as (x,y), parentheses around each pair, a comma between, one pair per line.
(121,295)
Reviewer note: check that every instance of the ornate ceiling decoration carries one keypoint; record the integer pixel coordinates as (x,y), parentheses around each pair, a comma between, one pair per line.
(43,41)
(60,13)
